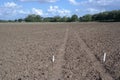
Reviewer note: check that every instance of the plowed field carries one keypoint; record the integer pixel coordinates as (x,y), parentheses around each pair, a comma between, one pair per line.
(27,51)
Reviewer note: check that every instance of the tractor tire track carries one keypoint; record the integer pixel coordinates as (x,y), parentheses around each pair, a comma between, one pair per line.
(96,63)
(57,65)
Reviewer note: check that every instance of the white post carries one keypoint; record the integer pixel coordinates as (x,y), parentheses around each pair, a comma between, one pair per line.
(53,58)
(104,57)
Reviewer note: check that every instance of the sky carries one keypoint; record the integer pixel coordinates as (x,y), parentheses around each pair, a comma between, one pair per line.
(14,9)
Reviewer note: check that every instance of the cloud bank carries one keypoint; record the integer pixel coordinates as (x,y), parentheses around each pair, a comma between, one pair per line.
(95,6)
(55,10)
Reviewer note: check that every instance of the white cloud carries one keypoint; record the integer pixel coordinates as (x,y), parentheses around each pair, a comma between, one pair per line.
(23,12)
(11,10)
(37,11)
(55,10)
(96,6)
(42,0)
(74,2)
(77,10)
(93,10)
(64,12)
(96,3)
(101,2)
(11,5)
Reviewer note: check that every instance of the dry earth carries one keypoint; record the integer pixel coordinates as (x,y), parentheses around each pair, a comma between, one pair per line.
(27,50)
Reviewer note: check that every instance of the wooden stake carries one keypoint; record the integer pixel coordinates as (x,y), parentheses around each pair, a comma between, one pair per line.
(53,58)
(104,58)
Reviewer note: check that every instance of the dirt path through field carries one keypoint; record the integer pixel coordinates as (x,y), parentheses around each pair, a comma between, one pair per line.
(57,65)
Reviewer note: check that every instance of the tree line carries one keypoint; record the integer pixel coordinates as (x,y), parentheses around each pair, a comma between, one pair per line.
(107,16)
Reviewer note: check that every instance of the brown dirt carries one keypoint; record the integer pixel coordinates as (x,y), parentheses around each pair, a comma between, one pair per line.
(26,51)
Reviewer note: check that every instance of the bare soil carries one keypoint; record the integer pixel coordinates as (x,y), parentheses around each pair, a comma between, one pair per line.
(27,49)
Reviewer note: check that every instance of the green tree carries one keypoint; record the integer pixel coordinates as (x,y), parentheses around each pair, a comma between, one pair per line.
(86,18)
(107,16)
(33,18)
(57,19)
(64,19)
(69,19)
(47,19)
(74,18)
(15,20)
(20,20)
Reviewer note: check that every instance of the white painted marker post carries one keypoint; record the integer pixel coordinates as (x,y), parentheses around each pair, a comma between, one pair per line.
(104,58)
(53,58)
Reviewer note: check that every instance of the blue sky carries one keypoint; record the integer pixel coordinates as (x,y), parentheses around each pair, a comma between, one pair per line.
(14,9)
